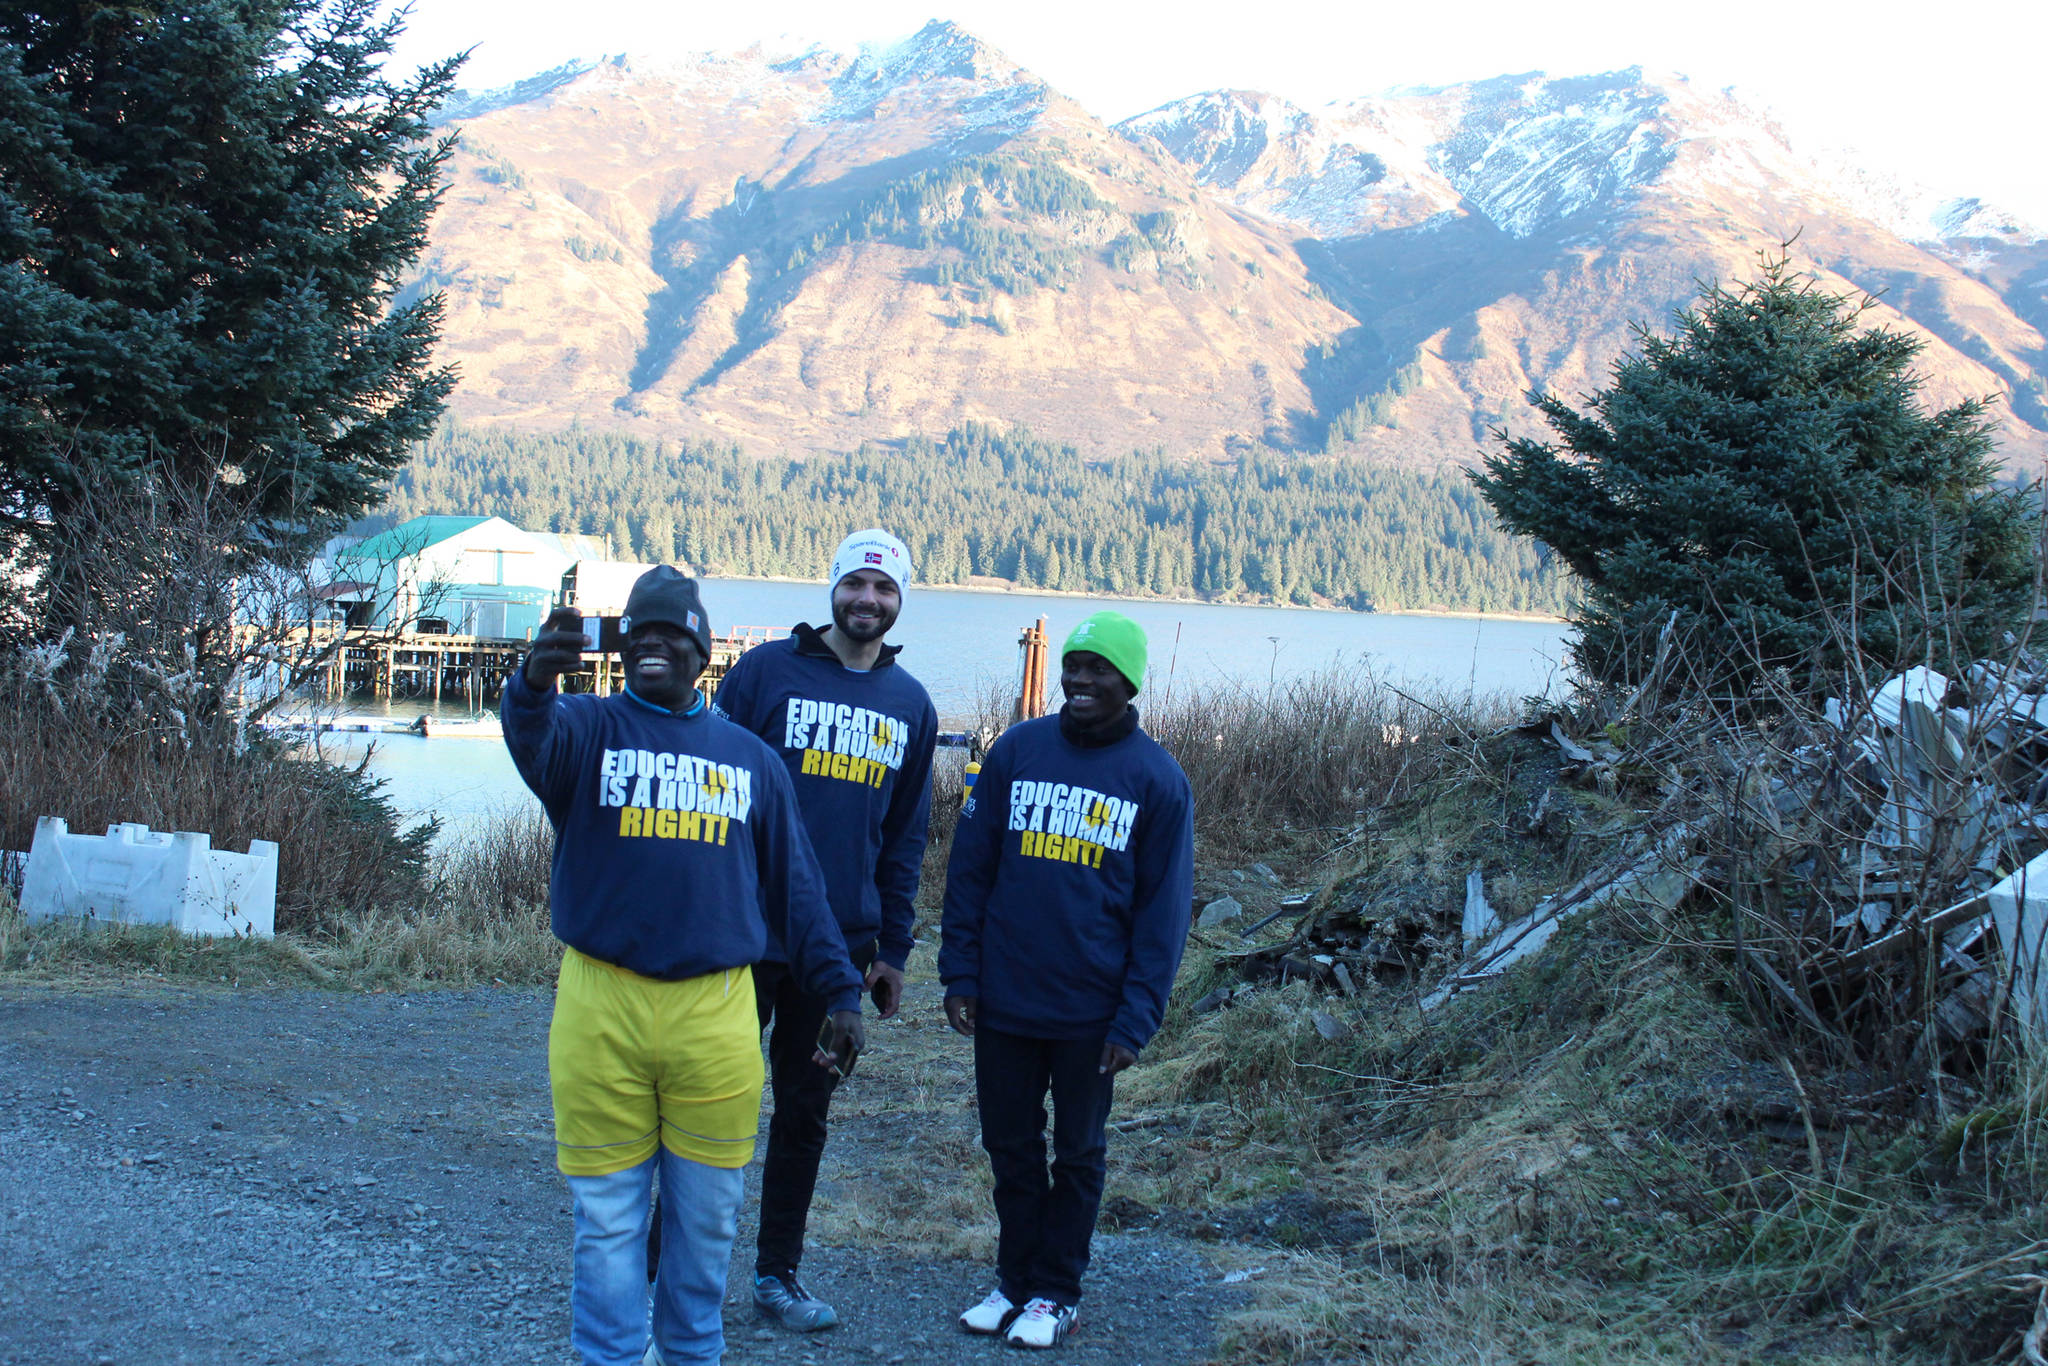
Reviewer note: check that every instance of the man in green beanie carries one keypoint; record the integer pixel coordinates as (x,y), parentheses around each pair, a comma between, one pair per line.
(1067,900)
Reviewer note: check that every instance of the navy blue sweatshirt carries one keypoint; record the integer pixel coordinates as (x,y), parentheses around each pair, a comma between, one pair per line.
(1069,887)
(858,745)
(677,841)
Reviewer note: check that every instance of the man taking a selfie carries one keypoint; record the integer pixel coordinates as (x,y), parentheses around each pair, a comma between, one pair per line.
(856,733)
(678,850)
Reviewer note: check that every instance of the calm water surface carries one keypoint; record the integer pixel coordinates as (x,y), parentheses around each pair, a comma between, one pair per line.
(963,647)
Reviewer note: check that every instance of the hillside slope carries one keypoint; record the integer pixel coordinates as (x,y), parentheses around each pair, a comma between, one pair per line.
(804,252)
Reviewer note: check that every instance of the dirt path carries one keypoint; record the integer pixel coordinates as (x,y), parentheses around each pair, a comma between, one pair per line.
(233,1176)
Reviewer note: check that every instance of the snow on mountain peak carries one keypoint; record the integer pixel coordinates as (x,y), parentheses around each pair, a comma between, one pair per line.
(1529,151)
(1221,133)
(1916,212)
(466,104)
(1524,151)
(940,51)
(940,70)
(931,66)
(1973,218)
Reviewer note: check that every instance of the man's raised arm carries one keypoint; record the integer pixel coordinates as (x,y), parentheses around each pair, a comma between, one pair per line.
(527,706)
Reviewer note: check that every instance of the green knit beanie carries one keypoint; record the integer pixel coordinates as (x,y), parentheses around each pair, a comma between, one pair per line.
(1117,639)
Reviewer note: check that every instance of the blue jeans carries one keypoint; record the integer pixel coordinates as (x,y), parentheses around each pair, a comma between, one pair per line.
(608,1299)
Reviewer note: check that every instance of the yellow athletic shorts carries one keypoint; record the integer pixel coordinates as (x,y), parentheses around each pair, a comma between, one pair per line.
(631,1057)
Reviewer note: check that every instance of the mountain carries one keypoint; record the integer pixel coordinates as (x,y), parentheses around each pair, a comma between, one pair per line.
(803,251)
(1503,235)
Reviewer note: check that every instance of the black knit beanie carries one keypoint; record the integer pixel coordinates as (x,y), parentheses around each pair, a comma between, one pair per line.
(665,594)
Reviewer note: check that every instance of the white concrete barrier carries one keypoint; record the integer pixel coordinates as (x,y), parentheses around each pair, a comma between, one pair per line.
(132,876)
(2019,908)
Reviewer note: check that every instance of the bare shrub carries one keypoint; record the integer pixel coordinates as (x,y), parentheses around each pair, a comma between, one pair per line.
(68,748)
(949,767)
(483,917)
(1308,757)
(500,868)
(1851,844)
(151,631)
(210,613)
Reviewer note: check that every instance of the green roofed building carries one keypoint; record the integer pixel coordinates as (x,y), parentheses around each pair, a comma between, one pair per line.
(473,576)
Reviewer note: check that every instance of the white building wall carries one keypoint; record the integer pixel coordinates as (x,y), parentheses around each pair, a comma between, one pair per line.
(492,552)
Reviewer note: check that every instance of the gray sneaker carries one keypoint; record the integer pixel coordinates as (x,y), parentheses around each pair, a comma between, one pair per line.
(784,1299)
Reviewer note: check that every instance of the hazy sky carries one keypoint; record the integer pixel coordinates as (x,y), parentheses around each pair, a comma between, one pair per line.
(1950,96)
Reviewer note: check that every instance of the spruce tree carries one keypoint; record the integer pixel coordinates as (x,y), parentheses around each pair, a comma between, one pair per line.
(1768,474)
(206,210)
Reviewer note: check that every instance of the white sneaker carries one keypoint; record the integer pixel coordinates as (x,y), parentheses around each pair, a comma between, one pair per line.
(992,1315)
(1044,1323)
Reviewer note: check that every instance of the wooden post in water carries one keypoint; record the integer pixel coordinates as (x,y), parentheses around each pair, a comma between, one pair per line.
(1033,647)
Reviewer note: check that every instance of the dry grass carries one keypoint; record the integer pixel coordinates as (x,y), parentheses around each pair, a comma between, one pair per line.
(338,848)
(1601,1158)
(1551,1171)
(484,919)
(1324,1308)
(1298,763)
(72,953)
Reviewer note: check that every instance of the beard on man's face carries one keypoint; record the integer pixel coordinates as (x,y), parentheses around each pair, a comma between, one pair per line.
(864,628)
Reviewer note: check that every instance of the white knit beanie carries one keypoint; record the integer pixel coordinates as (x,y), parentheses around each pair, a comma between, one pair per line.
(872,549)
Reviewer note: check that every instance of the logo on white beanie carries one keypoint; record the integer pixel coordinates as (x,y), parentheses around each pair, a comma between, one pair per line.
(873,549)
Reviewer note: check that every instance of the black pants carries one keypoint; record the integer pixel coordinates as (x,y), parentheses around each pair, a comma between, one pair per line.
(1047,1216)
(803,1093)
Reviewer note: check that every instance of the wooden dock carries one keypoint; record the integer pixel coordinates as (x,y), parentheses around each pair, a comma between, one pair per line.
(368,662)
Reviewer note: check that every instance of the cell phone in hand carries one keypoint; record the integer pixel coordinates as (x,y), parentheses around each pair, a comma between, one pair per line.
(843,1058)
(593,632)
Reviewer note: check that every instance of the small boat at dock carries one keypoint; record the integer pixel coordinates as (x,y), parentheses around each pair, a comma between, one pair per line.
(436,727)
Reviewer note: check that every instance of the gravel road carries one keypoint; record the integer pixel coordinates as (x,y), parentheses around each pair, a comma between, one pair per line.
(201,1176)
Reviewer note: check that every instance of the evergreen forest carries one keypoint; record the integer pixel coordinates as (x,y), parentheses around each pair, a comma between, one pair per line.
(988,504)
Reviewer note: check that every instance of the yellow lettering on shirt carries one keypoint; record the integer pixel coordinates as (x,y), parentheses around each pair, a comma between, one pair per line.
(852,768)
(647,823)
(1060,848)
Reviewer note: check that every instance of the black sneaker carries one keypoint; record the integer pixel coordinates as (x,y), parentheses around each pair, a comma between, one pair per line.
(784,1299)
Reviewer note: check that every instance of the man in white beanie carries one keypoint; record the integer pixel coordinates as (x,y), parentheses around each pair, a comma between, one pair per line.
(856,732)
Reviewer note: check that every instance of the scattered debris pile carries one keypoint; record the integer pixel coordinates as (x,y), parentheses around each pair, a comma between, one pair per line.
(1865,866)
